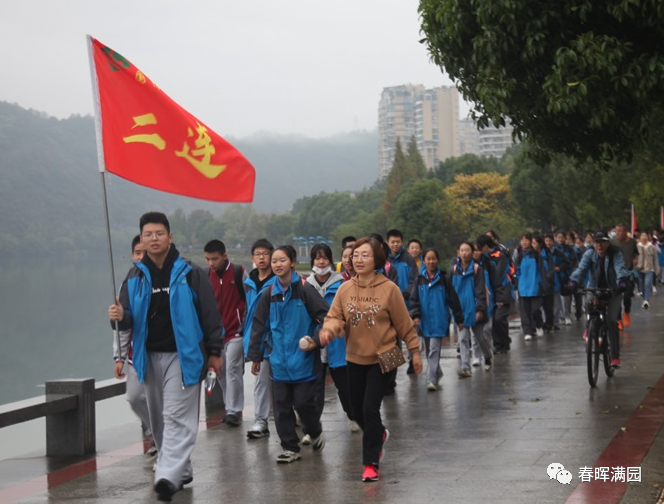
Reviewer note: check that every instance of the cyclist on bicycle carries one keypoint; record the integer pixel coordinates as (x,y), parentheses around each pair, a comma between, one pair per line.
(607,270)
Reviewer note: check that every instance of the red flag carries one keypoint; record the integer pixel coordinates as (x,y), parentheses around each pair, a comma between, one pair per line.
(149,139)
(661,217)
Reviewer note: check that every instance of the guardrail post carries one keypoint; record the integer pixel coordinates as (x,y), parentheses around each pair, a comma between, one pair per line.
(72,432)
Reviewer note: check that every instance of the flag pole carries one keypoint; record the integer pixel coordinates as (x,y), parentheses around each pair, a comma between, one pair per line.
(102,170)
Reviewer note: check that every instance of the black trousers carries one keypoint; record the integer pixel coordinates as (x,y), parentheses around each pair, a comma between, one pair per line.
(500,329)
(367,387)
(302,397)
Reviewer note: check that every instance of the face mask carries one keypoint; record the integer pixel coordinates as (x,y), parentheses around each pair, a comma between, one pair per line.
(588,244)
(322,271)
(613,234)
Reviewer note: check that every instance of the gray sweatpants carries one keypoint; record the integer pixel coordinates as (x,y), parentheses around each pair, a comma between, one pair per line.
(136,398)
(465,337)
(262,394)
(173,416)
(231,378)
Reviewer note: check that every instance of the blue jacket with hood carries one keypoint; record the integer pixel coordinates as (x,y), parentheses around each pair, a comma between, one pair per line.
(253,295)
(336,349)
(470,287)
(431,301)
(194,315)
(288,314)
(530,274)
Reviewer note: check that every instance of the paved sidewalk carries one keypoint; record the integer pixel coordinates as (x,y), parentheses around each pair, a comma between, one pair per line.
(484,439)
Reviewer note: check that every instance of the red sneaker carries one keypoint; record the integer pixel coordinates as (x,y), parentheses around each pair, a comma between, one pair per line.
(370,473)
(615,363)
(620,325)
(627,319)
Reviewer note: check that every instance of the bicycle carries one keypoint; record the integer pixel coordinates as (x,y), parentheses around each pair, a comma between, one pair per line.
(598,343)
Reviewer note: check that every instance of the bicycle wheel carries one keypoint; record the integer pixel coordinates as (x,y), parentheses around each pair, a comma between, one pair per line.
(606,352)
(593,351)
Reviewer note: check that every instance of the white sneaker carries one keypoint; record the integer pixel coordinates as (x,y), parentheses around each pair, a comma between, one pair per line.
(654,289)
(646,305)
(476,362)
(306,440)
(432,386)
(354,426)
(539,332)
(568,321)
(528,337)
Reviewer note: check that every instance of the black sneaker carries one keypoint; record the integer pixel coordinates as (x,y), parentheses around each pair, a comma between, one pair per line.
(411,369)
(233,420)
(164,490)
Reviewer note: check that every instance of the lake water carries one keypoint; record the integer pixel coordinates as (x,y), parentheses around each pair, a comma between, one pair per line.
(54,325)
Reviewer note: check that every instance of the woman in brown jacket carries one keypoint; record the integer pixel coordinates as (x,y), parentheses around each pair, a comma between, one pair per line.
(369,309)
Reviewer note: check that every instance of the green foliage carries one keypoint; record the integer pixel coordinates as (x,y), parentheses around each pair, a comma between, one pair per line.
(578,77)
(468,164)
(569,196)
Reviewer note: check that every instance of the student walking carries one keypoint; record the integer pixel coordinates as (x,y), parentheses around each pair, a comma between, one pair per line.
(531,284)
(177,334)
(288,311)
(432,299)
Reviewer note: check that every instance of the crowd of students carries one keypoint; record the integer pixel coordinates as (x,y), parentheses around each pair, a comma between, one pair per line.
(342,317)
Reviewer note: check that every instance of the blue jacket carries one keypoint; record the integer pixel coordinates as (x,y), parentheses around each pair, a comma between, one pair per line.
(530,274)
(252,296)
(614,268)
(551,259)
(406,268)
(431,302)
(469,286)
(336,349)
(194,315)
(288,315)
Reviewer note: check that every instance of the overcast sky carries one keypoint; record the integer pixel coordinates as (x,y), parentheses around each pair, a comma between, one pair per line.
(242,66)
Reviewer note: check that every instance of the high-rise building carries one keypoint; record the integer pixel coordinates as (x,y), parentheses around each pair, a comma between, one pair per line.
(489,141)
(432,117)
(437,125)
(429,115)
(396,119)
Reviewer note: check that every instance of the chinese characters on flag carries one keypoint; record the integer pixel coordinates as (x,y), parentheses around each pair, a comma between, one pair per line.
(149,139)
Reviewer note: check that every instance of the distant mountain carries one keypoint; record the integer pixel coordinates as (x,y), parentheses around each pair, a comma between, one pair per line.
(50,187)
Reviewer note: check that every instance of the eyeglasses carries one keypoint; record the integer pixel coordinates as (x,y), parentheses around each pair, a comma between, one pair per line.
(261,254)
(364,257)
(159,235)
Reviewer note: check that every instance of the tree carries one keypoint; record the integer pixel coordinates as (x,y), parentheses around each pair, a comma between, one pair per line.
(580,77)
(422,211)
(402,171)
(468,164)
(483,201)
(415,158)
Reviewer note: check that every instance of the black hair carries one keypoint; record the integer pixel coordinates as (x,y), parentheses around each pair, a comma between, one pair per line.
(394,233)
(290,252)
(471,245)
(548,235)
(484,240)
(154,218)
(494,236)
(134,242)
(433,250)
(262,243)
(321,248)
(527,236)
(414,240)
(215,246)
(346,239)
